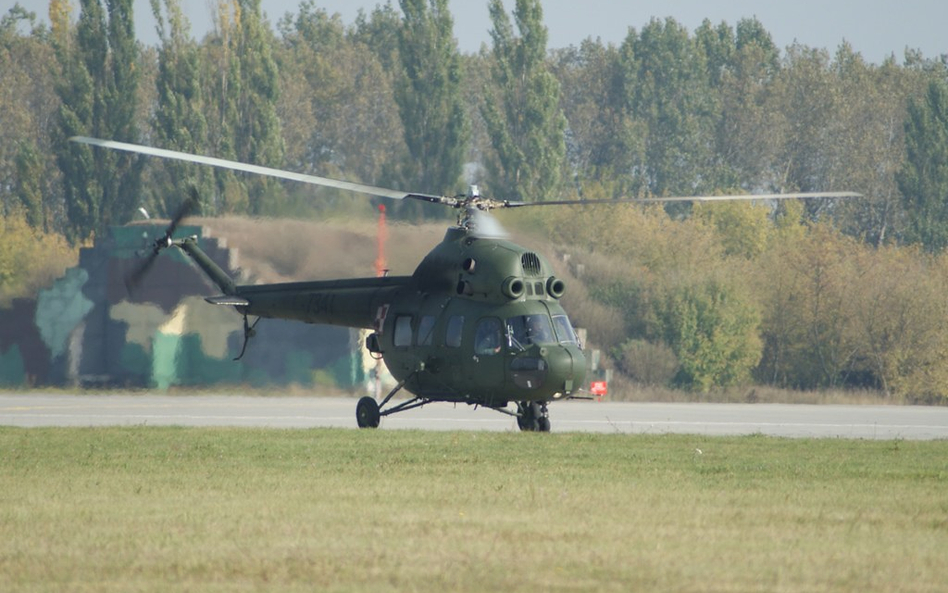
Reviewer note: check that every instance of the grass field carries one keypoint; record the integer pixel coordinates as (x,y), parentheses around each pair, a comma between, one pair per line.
(160,509)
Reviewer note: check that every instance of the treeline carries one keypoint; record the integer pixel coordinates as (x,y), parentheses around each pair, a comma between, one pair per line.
(736,294)
(389,100)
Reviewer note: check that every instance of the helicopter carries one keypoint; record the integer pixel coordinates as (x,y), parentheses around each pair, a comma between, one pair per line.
(479,322)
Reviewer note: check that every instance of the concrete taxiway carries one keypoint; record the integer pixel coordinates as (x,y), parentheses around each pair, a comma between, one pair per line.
(824,421)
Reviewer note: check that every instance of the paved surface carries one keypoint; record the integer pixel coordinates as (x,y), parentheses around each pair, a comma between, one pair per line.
(862,422)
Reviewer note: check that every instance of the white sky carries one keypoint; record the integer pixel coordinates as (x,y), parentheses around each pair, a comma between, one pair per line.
(875,28)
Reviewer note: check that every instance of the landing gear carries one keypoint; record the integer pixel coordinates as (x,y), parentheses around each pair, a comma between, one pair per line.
(533,417)
(367,413)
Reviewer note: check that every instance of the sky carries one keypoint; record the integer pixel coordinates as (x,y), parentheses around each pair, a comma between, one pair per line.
(875,28)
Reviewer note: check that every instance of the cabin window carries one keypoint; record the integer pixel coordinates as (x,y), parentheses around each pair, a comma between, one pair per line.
(425,330)
(489,337)
(402,330)
(564,330)
(454,332)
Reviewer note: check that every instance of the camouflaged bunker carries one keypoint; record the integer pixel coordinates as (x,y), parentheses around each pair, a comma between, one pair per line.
(88,329)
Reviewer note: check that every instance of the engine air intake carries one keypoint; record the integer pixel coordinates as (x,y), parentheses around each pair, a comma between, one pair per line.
(531,264)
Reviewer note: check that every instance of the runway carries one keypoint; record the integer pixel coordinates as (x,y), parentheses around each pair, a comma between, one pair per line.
(858,422)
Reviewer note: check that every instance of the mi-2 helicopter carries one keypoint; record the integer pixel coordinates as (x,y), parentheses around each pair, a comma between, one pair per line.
(479,322)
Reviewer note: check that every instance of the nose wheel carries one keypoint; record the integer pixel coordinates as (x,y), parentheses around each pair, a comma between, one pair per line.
(533,417)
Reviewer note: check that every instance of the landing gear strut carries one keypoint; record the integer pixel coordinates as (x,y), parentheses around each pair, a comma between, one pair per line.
(369,412)
(533,417)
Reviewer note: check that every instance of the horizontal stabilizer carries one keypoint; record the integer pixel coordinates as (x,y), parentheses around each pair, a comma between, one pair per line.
(233,301)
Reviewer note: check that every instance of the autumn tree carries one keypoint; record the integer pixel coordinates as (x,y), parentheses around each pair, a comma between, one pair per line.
(713,329)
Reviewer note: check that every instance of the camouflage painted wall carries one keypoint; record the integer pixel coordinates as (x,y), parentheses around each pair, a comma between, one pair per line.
(89,329)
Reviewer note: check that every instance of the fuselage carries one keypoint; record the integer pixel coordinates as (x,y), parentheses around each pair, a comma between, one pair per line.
(479,321)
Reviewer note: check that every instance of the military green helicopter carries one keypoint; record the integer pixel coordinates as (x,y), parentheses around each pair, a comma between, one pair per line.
(479,322)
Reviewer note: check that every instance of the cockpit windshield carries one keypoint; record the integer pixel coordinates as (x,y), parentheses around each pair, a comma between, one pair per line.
(564,330)
(525,330)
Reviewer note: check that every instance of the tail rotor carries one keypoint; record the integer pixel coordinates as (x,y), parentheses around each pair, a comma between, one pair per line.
(133,279)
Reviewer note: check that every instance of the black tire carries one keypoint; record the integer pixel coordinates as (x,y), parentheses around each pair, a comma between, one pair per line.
(367,413)
(543,424)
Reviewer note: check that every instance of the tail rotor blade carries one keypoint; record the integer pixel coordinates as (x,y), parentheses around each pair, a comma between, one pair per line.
(185,209)
(133,279)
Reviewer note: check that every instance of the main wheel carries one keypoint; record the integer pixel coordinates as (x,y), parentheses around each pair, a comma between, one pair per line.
(367,413)
(543,424)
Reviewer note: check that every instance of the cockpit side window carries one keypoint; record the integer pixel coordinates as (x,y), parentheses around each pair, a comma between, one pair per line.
(488,338)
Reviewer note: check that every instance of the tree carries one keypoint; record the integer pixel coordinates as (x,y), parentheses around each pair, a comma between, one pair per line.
(904,322)
(29,176)
(923,179)
(807,292)
(241,98)
(668,91)
(428,94)
(743,63)
(603,142)
(98,94)
(712,329)
(870,147)
(524,120)
(340,118)
(179,122)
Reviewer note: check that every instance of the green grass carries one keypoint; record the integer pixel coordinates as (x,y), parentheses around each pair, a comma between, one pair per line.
(159,509)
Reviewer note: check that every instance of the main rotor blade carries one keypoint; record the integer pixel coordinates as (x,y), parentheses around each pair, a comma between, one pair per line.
(238,166)
(830,194)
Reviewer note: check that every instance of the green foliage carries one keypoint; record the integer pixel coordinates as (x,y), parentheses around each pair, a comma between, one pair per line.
(712,330)
(179,120)
(744,228)
(337,103)
(241,91)
(923,179)
(428,94)
(667,88)
(521,109)
(903,322)
(99,96)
